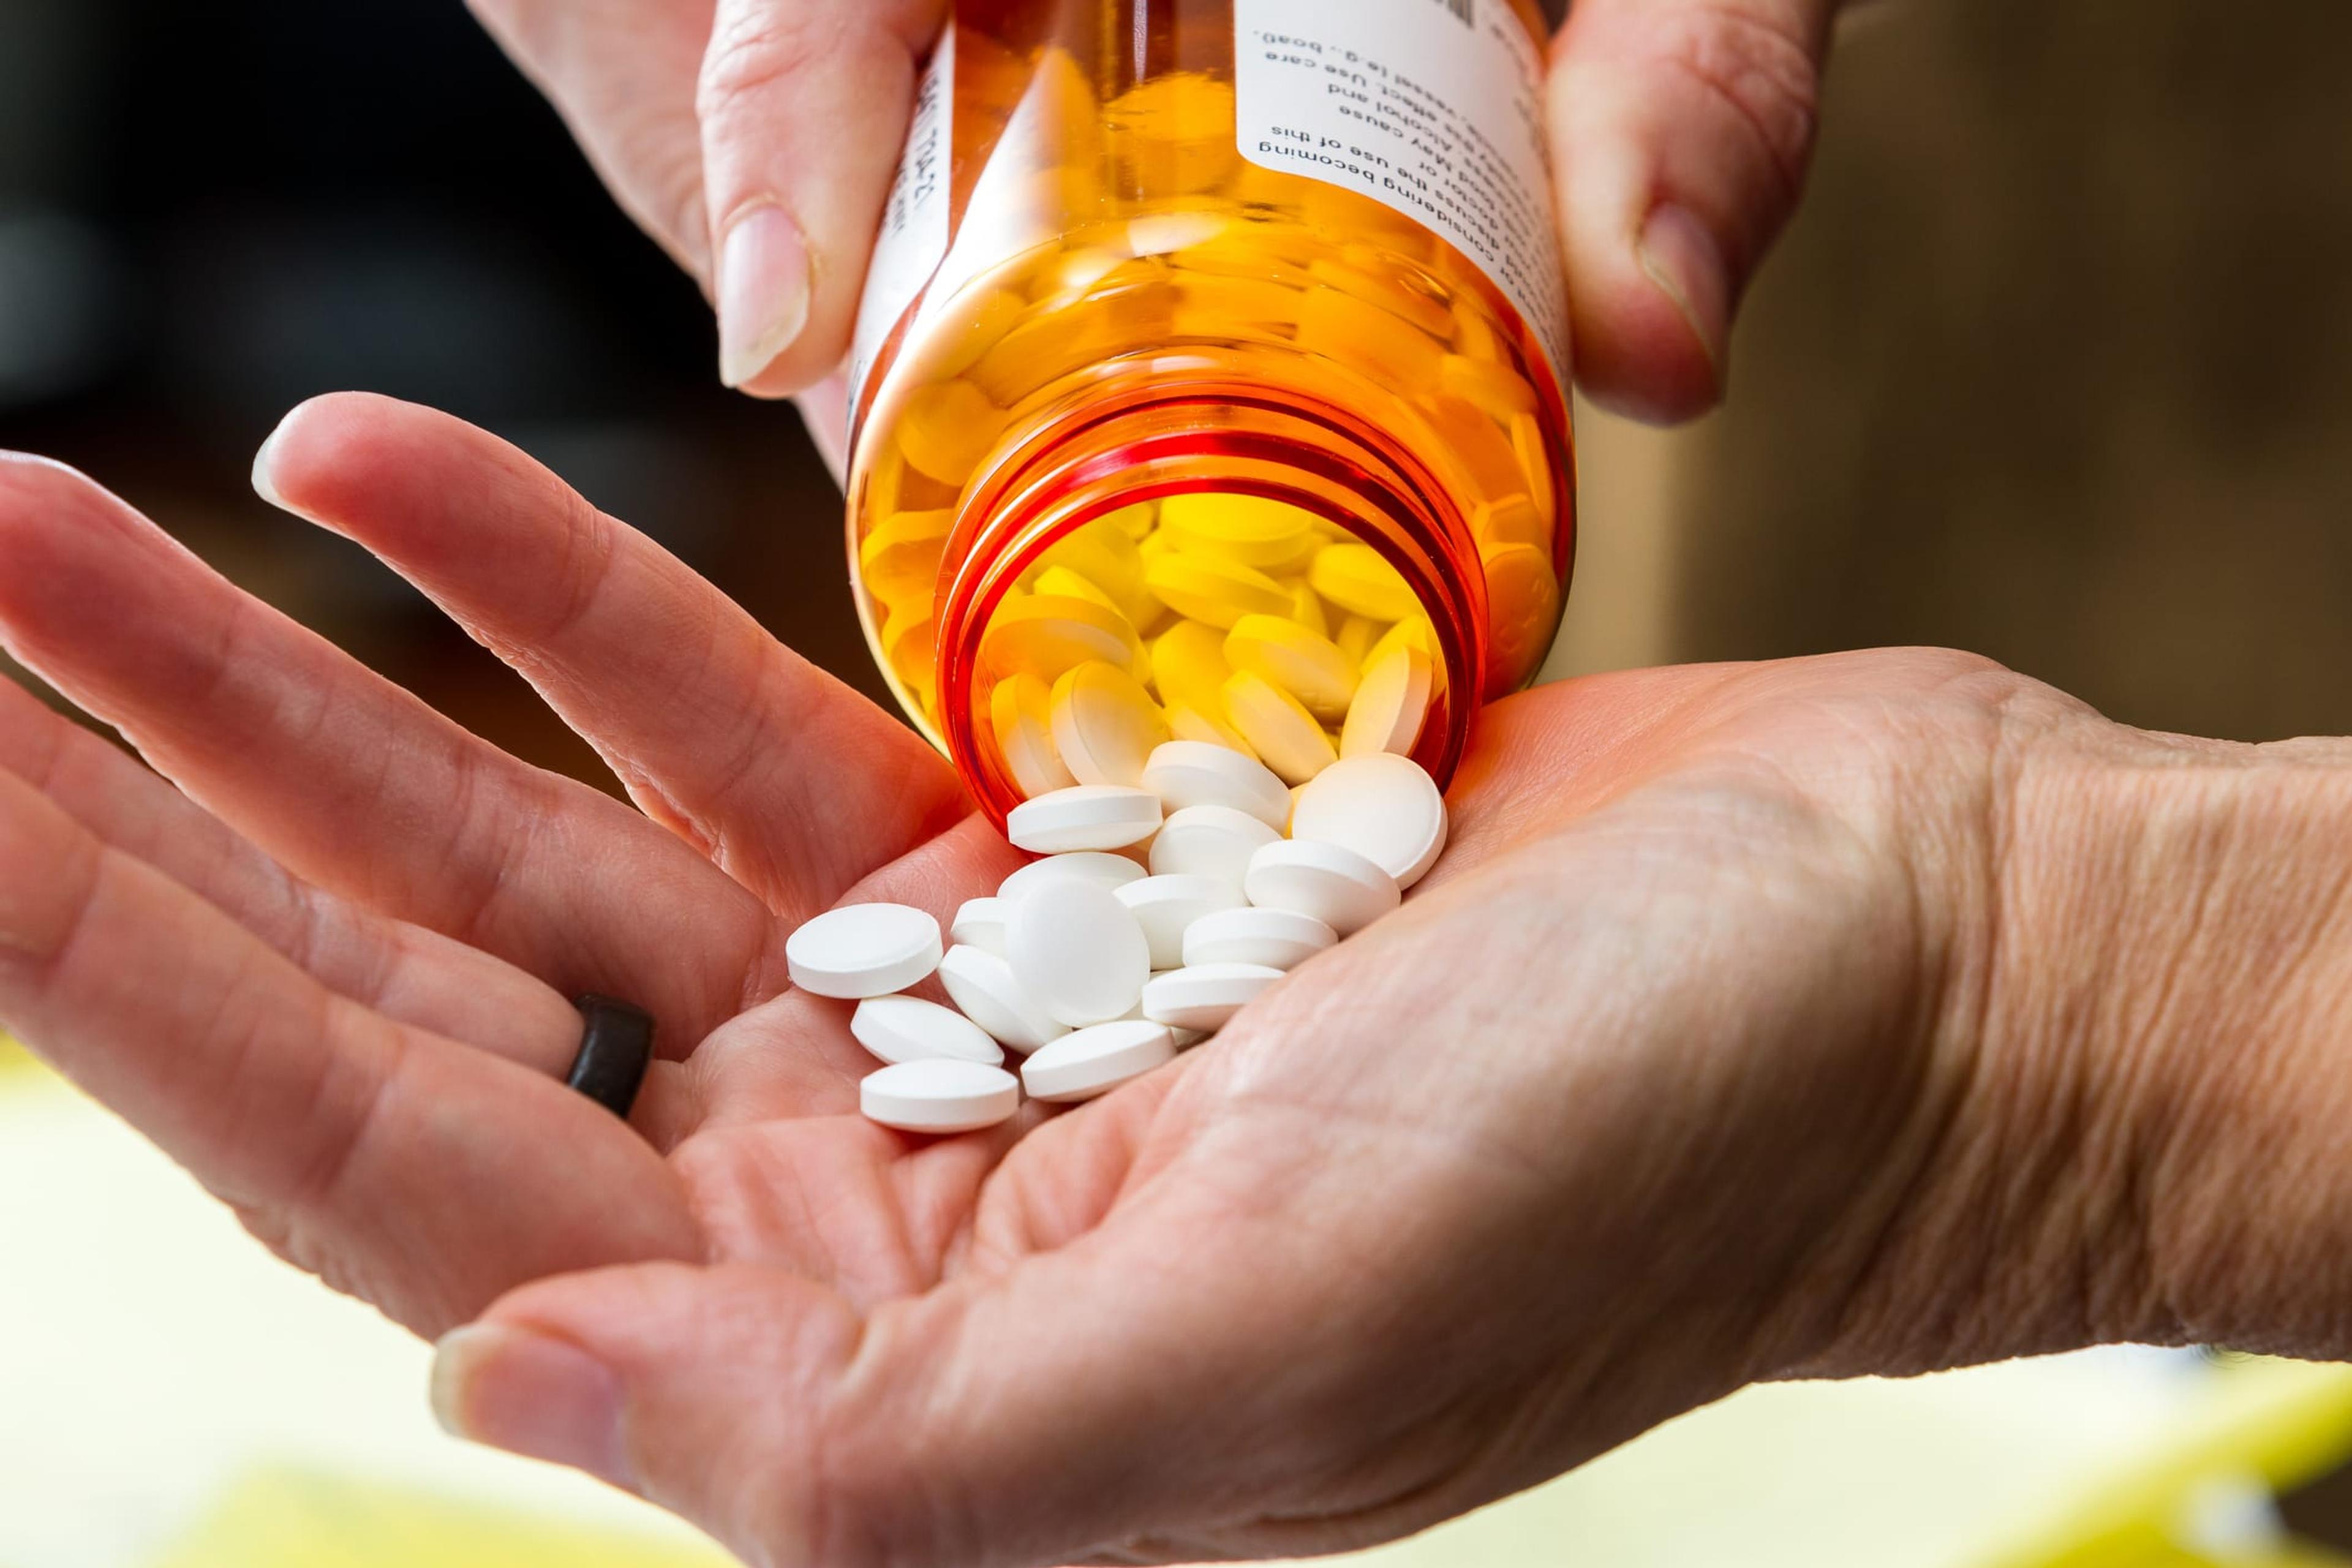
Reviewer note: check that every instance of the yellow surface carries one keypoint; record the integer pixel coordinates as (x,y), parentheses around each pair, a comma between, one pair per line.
(2279,1421)
(2063,1462)
(292,1518)
(15,1061)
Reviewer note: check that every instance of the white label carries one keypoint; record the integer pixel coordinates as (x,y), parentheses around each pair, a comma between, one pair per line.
(914,236)
(1431,107)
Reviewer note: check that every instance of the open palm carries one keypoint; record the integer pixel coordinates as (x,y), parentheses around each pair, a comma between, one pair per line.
(1674,964)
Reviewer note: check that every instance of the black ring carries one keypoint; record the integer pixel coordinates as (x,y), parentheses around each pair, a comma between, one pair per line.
(616,1047)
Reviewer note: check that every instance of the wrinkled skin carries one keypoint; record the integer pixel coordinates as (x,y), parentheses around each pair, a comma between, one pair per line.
(1693,1063)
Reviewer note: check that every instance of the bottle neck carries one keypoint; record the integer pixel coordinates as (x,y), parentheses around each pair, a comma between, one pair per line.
(1209,433)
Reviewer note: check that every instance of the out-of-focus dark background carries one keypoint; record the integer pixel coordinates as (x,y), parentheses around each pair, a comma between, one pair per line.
(209,213)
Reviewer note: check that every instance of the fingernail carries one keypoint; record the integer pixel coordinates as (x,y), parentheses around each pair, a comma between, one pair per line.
(1681,256)
(763,291)
(532,1394)
(265,481)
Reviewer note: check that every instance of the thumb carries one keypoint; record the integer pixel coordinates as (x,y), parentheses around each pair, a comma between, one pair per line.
(1681,133)
(965,1427)
(1109,1397)
(803,106)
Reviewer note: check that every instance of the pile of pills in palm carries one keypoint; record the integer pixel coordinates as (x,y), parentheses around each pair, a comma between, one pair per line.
(1160,908)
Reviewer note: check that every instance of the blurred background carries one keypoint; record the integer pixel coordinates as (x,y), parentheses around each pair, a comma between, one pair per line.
(2057,366)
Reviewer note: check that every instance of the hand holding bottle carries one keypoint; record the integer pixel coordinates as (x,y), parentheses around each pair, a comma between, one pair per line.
(755,140)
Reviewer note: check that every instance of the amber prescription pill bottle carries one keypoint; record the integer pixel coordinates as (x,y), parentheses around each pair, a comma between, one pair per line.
(1211,350)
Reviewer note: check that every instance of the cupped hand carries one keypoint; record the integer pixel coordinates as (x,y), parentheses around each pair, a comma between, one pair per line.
(1618,1113)
(755,141)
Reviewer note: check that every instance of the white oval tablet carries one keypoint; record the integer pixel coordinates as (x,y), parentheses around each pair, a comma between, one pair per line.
(981,983)
(1075,948)
(1209,841)
(1085,865)
(980,924)
(1096,1061)
(1194,772)
(863,950)
(1167,906)
(940,1095)
(1205,996)
(1273,939)
(1088,816)
(1381,805)
(1331,882)
(910,1029)
(1391,704)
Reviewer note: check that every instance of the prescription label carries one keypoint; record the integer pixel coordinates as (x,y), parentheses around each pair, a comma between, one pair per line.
(1433,108)
(913,240)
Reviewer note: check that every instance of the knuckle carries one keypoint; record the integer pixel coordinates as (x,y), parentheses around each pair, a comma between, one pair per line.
(1760,62)
(755,46)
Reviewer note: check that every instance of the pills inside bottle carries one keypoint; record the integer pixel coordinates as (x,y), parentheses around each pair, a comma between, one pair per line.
(1207,390)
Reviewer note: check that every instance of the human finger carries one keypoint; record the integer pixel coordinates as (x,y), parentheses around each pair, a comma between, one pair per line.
(420,1175)
(1681,132)
(803,106)
(403,972)
(354,784)
(796,786)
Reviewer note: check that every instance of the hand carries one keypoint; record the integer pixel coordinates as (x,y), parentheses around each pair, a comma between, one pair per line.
(756,139)
(1735,1036)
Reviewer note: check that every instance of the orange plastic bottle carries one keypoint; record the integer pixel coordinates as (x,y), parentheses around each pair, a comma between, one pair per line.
(1211,355)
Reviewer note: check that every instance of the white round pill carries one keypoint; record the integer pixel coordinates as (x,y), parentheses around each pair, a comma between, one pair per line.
(910,1029)
(1085,865)
(1193,773)
(981,983)
(941,1095)
(1209,841)
(1205,996)
(1096,1060)
(863,950)
(1078,951)
(980,924)
(1275,939)
(1085,816)
(1381,805)
(1331,882)
(1166,907)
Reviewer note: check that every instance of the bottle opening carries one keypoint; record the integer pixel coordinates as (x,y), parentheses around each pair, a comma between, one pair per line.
(1203,564)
